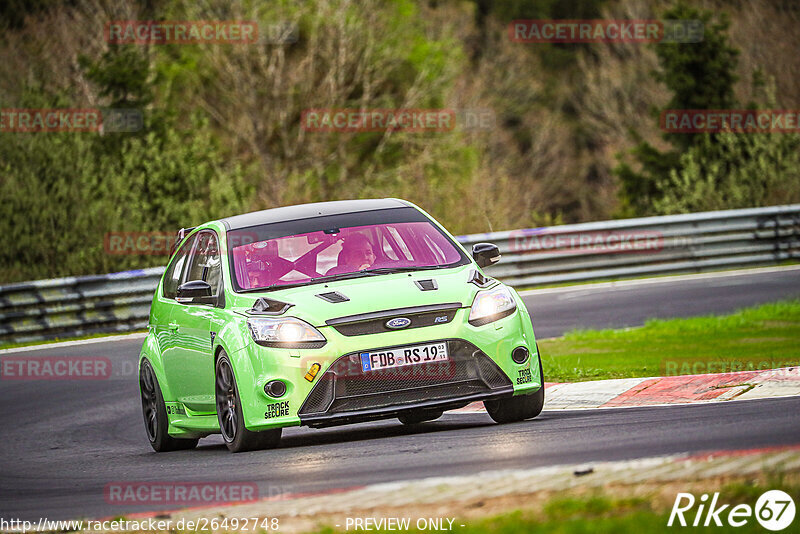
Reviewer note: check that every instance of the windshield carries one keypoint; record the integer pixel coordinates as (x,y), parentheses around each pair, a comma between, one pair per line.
(334,250)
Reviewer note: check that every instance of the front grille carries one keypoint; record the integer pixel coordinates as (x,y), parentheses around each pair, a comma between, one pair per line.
(375,322)
(345,387)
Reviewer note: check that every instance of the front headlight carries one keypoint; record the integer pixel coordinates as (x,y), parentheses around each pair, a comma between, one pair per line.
(492,305)
(285,332)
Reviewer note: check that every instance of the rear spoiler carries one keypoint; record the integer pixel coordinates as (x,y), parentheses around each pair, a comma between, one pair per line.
(182,233)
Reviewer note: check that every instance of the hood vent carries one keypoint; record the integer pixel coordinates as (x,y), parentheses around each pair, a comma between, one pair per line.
(427,285)
(266,306)
(333,297)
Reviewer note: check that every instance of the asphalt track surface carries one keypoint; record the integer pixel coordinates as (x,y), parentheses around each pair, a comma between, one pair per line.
(558,310)
(64,441)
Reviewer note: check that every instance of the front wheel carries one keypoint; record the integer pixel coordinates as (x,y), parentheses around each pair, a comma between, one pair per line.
(155,414)
(229,413)
(518,408)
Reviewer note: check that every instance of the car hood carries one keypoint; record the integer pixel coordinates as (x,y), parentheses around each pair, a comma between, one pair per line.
(369,294)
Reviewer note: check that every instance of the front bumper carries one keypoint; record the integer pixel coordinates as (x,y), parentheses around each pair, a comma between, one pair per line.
(387,412)
(345,392)
(494,342)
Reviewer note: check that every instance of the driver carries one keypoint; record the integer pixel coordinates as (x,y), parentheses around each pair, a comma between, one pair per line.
(356,255)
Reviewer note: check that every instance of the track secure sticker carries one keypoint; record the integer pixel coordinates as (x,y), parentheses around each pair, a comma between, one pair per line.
(524,376)
(175,408)
(279,409)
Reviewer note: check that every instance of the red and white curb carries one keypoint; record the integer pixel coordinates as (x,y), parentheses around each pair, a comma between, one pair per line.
(657,391)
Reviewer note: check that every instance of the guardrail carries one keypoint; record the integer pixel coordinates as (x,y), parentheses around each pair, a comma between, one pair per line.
(647,246)
(120,302)
(77,306)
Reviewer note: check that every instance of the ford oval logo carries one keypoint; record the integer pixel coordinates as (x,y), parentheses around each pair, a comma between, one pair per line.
(398,322)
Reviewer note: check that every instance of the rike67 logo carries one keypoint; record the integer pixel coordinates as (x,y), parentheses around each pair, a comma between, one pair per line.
(774,510)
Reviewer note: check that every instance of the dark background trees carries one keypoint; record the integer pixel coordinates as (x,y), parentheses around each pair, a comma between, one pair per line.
(575,132)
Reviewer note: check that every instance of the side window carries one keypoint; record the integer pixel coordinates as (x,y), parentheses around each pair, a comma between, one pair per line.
(204,262)
(172,277)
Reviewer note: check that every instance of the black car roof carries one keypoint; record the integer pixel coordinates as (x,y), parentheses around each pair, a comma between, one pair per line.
(307,211)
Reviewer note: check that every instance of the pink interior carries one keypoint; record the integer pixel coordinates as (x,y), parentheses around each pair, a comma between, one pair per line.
(298,258)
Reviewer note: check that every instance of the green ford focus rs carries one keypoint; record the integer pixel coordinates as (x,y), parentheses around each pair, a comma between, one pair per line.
(328,314)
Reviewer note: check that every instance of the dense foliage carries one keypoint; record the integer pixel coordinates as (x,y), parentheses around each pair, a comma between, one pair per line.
(222,130)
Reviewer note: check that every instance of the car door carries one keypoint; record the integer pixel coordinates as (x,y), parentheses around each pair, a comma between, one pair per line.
(161,314)
(191,362)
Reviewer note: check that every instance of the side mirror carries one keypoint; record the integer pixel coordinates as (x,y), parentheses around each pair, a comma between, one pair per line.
(485,254)
(195,292)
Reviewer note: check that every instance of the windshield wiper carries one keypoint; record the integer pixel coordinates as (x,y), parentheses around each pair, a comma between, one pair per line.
(391,270)
(340,276)
(273,287)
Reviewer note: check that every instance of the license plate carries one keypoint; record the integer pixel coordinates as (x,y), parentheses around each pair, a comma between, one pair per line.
(411,355)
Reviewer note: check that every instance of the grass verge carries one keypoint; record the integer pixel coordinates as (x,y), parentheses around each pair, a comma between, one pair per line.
(624,510)
(763,337)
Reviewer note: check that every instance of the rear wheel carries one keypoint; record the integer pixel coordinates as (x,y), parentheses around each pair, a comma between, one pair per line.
(417,417)
(155,414)
(229,413)
(518,408)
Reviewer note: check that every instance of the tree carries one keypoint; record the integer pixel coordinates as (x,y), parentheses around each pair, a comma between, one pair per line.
(63,191)
(734,170)
(701,76)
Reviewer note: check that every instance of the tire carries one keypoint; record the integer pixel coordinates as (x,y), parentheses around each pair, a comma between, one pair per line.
(154,411)
(518,408)
(229,414)
(417,417)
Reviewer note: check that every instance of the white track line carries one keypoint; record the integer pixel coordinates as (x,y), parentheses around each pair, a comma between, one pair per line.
(658,280)
(482,411)
(45,346)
